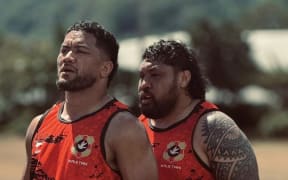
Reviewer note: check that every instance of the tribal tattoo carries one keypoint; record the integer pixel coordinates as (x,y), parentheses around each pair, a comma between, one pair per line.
(229,151)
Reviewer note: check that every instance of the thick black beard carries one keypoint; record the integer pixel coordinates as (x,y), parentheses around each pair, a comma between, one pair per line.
(160,109)
(77,84)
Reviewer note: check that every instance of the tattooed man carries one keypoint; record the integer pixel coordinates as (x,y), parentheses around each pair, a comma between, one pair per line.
(191,138)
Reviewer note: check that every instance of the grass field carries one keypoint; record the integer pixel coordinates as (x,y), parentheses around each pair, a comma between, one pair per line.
(272,158)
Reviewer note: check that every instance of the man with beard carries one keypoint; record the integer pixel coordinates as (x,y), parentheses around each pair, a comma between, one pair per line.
(191,138)
(89,135)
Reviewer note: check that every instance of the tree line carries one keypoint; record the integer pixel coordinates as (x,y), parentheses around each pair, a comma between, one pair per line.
(28,68)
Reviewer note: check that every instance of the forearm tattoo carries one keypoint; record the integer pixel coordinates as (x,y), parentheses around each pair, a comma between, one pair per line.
(230,153)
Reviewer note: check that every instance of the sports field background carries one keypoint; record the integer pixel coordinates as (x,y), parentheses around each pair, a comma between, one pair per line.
(272,158)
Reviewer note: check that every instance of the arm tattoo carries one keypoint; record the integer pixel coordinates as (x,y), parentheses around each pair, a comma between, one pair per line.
(229,151)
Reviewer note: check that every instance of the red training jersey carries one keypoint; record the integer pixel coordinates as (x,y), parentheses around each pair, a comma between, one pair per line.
(74,151)
(173,148)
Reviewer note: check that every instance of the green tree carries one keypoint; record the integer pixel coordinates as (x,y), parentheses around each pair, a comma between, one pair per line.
(26,88)
(228,66)
(225,55)
(267,15)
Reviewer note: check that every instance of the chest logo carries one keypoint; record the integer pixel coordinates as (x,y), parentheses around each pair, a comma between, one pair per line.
(174,151)
(82,146)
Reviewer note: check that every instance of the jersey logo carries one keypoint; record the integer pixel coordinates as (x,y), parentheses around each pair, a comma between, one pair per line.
(174,151)
(82,146)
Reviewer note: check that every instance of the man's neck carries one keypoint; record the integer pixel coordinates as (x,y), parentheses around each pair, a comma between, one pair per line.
(81,103)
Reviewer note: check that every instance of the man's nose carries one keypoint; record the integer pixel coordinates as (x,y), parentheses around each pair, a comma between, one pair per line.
(144,84)
(69,57)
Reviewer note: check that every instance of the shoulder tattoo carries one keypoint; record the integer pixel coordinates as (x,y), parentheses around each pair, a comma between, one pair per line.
(229,151)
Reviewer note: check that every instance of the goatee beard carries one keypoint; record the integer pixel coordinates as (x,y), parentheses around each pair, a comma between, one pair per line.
(77,84)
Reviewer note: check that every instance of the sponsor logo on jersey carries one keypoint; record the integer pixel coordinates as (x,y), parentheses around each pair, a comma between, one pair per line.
(174,151)
(82,146)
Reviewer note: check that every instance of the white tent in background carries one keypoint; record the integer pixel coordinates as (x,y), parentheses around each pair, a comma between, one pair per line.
(131,50)
(269,48)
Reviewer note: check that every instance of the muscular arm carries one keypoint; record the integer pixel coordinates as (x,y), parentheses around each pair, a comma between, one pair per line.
(129,148)
(229,152)
(28,141)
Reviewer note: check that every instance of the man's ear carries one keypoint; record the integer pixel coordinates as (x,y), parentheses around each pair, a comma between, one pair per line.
(106,69)
(184,78)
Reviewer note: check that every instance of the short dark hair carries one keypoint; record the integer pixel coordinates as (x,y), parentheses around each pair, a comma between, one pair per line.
(105,40)
(181,57)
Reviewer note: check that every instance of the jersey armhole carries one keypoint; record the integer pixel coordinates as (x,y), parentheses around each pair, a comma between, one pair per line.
(38,126)
(193,131)
(103,135)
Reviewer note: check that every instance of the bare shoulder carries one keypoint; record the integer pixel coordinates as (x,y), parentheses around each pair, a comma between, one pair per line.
(28,141)
(128,149)
(31,130)
(34,121)
(228,150)
(124,129)
(126,124)
(32,127)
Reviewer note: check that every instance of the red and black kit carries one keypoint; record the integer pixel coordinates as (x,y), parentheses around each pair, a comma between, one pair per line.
(173,148)
(73,151)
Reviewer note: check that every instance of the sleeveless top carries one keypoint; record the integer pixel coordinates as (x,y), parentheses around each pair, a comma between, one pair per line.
(173,148)
(74,151)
